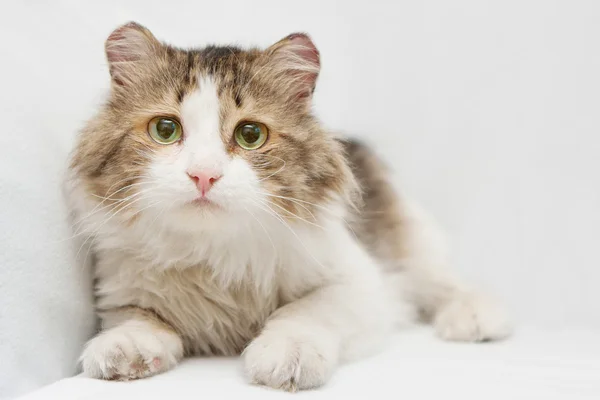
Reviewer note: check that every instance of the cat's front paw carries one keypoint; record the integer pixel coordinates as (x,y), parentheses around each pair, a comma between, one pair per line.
(472,318)
(126,352)
(289,362)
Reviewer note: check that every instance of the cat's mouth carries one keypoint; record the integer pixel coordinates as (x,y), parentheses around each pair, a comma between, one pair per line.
(205,203)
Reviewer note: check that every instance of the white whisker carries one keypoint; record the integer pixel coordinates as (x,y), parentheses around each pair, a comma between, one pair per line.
(294,215)
(274,214)
(298,201)
(262,226)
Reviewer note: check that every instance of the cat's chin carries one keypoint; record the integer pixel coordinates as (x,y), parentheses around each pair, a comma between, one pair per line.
(190,215)
(205,204)
(202,208)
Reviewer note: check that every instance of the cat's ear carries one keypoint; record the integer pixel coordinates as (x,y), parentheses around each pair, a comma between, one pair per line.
(127,49)
(296,58)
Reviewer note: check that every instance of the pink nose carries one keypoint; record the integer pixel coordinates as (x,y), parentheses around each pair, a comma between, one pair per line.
(204,179)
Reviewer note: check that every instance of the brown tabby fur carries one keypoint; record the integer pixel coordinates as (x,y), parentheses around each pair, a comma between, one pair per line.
(114,148)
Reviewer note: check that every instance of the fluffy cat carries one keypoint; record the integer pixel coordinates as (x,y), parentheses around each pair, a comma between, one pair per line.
(224,220)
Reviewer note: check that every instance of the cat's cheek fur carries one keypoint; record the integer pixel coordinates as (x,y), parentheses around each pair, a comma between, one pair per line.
(238,188)
(167,178)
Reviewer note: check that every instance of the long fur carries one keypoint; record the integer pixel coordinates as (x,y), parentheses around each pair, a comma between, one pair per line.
(301,256)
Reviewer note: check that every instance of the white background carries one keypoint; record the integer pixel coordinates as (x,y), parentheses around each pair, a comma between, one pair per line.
(487,110)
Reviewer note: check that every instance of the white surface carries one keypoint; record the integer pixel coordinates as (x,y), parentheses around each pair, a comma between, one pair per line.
(487,109)
(533,365)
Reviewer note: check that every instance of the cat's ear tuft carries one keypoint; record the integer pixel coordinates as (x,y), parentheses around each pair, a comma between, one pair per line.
(298,58)
(126,48)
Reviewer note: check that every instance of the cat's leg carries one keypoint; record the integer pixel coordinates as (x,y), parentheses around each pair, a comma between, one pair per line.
(412,252)
(303,341)
(456,311)
(134,344)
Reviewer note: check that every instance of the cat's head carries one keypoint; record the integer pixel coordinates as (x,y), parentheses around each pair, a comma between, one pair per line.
(208,131)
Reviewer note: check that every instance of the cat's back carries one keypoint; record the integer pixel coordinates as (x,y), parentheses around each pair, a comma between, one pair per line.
(379,219)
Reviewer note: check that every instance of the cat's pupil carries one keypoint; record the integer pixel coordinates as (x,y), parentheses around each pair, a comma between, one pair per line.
(250,133)
(166,128)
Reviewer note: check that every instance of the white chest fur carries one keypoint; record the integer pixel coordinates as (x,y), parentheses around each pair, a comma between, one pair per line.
(216,285)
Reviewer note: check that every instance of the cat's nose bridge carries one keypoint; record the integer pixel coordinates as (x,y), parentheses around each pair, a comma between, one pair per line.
(207,157)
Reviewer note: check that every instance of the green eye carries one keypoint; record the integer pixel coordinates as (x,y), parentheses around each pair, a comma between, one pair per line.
(164,130)
(251,135)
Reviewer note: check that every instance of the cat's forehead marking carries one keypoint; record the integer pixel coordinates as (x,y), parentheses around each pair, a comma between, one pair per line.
(200,109)
(225,65)
(200,116)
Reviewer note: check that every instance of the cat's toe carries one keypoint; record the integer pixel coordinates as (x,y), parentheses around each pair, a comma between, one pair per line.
(472,318)
(287,363)
(119,354)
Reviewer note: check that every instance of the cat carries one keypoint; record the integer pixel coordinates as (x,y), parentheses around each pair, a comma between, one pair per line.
(224,220)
